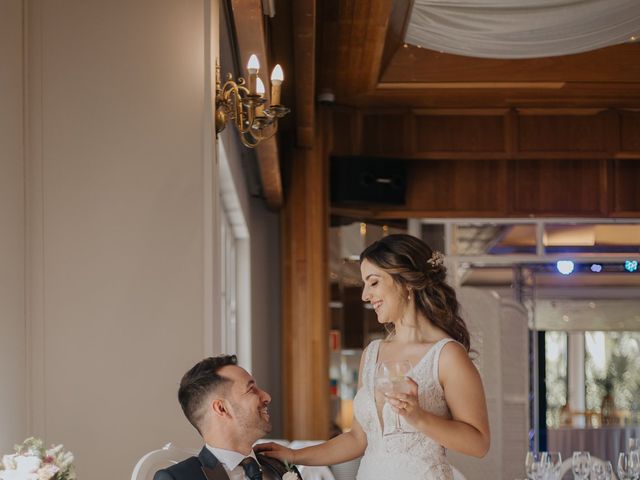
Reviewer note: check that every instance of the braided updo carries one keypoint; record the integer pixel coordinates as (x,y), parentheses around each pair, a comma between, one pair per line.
(414,265)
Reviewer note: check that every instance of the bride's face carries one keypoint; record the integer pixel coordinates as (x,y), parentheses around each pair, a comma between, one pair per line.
(382,292)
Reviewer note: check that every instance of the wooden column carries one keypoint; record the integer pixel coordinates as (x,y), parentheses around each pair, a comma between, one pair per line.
(305,308)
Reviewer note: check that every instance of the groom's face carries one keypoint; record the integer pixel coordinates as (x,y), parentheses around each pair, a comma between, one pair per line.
(249,403)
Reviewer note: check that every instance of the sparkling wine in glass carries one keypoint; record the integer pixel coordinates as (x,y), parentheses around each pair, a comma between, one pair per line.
(391,377)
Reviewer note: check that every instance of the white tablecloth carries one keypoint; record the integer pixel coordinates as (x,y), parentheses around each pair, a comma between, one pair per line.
(605,442)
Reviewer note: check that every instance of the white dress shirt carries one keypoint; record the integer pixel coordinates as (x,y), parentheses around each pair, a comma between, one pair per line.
(231,462)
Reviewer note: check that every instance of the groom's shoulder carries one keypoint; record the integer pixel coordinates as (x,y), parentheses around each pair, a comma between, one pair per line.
(183,470)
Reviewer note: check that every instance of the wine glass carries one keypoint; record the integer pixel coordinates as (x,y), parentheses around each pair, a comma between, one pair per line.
(581,464)
(532,465)
(552,462)
(602,470)
(629,466)
(391,377)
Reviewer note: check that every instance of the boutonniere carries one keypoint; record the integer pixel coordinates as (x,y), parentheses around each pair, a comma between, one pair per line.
(290,474)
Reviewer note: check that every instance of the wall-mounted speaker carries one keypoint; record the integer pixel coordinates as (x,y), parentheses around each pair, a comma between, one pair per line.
(369,180)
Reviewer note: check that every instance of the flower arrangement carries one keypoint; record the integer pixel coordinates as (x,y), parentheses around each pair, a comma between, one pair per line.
(291,473)
(33,462)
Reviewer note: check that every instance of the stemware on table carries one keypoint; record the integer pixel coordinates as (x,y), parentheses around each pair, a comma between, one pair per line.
(629,465)
(581,465)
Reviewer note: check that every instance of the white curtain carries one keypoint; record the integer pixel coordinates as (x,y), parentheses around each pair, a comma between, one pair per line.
(522,28)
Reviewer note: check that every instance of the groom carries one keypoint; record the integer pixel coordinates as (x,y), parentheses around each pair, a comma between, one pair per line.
(223,402)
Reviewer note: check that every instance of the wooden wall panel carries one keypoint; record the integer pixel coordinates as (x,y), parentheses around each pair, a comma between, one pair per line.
(385,134)
(550,187)
(499,162)
(553,131)
(344,125)
(457,185)
(626,187)
(630,131)
(459,133)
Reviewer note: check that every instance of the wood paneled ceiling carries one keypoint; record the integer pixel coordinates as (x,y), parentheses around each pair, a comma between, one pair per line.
(363,61)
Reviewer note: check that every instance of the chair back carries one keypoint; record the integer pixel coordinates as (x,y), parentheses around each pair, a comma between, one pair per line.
(156,460)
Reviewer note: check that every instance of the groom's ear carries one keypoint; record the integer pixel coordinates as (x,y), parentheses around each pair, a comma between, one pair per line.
(220,407)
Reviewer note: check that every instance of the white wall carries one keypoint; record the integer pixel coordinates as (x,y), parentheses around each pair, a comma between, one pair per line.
(121,230)
(498,328)
(12,316)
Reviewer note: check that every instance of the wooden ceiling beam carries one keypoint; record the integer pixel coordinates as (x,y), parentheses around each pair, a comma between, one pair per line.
(304,48)
(353,42)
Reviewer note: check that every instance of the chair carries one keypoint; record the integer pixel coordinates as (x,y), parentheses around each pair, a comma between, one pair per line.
(153,461)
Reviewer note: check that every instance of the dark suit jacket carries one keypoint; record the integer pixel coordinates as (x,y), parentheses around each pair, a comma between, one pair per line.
(207,467)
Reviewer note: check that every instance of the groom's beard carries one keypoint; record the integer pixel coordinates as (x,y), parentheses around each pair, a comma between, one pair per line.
(251,420)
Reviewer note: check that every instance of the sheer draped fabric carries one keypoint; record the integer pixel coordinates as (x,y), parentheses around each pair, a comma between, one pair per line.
(519,29)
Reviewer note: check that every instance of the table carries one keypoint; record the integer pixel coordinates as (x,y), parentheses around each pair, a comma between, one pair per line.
(604,442)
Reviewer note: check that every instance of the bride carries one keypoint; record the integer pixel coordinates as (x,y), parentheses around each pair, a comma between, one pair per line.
(442,405)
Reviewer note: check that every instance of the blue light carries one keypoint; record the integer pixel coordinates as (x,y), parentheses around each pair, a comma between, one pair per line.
(565,267)
(596,268)
(631,265)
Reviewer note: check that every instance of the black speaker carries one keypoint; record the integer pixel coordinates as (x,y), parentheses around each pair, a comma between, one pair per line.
(359,180)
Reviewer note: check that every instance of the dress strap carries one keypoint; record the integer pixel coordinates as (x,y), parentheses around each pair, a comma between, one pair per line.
(370,362)
(436,355)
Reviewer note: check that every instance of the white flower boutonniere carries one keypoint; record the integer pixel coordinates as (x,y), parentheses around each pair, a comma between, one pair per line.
(291,473)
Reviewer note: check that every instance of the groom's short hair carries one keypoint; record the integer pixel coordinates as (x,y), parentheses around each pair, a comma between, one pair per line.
(198,383)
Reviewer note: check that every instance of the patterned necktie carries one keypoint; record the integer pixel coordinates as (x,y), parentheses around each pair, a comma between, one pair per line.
(251,468)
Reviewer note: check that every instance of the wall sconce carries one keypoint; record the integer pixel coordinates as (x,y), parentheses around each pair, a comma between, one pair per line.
(245,104)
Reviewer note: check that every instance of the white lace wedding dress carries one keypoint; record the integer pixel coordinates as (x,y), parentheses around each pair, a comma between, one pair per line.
(408,456)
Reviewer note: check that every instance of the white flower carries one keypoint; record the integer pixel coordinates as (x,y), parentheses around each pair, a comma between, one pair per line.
(290,476)
(16,475)
(9,462)
(28,464)
(47,472)
(54,451)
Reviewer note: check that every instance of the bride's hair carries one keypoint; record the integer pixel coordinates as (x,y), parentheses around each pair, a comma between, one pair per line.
(415,266)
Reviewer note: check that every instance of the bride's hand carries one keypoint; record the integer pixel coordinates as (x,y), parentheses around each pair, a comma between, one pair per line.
(275,450)
(406,404)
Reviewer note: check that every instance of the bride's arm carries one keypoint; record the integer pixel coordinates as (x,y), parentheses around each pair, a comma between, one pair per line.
(468,430)
(344,447)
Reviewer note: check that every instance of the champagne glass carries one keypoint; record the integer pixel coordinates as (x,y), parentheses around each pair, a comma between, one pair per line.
(391,377)
(602,470)
(628,466)
(581,464)
(532,465)
(552,462)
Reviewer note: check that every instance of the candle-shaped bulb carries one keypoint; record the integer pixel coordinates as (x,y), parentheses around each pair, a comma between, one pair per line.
(260,91)
(277,77)
(260,87)
(253,64)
